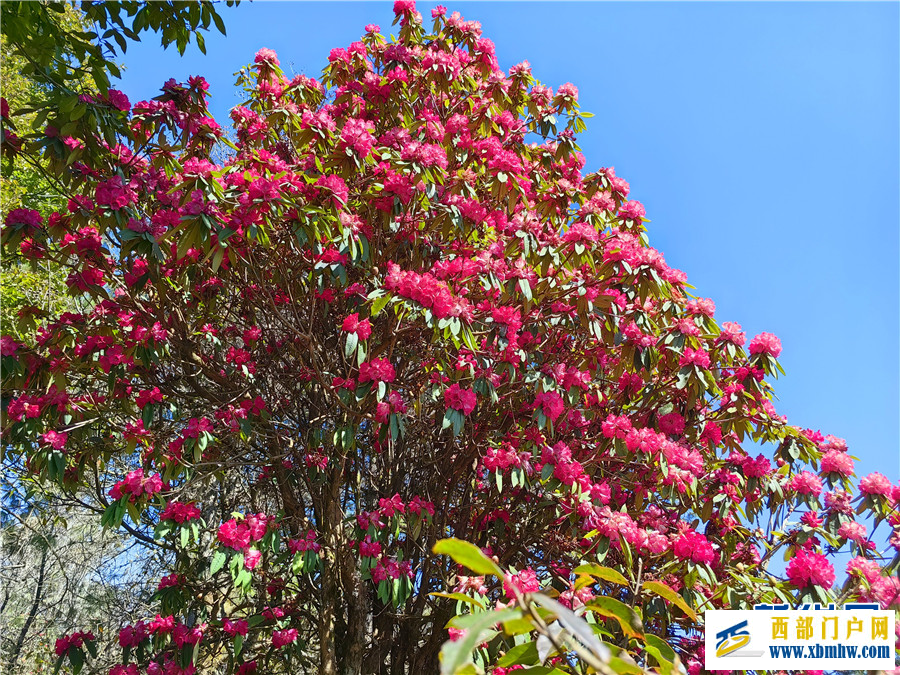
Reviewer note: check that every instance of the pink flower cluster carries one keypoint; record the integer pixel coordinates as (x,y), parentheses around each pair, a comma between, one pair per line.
(731,332)
(428,292)
(885,590)
(55,439)
(550,403)
(835,461)
(238,534)
(810,569)
(694,357)
(694,547)
(387,568)
(135,484)
(460,399)
(179,512)
(352,324)
(236,627)
(133,635)
(765,343)
(876,484)
(283,638)
(525,581)
(377,370)
(302,545)
(76,639)
(805,483)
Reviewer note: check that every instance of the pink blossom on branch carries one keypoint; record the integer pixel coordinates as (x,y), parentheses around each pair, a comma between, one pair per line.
(810,569)
(766,343)
(460,399)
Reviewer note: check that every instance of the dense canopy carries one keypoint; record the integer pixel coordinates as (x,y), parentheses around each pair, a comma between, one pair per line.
(389,309)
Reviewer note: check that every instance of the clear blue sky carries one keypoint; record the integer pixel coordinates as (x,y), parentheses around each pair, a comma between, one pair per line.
(762,138)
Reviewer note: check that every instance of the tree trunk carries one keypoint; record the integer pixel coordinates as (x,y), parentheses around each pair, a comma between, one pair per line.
(332,521)
(38,593)
(382,640)
(357,618)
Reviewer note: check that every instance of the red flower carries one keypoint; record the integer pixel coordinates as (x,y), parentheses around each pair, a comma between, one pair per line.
(632,210)
(352,324)
(525,581)
(810,569)
(806,483)
(377,370)
(252,558)
(404,6)
(281,638)
(267,57)
(179,512)
(132,636)
(460,399)
(238,627)
(766,343)
(118,100)
(55,439)
(838,462)
(234,535)
(693,546)
(550,403)
(875,484)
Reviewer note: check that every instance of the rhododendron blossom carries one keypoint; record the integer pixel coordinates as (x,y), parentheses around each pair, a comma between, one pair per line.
(810,569)
(875,484)
(695,547)
(765,343)
(525,581)
(460,399)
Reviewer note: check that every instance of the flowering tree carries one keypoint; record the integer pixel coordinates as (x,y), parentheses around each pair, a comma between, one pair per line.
(387,325)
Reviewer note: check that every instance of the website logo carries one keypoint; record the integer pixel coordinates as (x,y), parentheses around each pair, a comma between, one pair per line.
(735,638)
(731,639)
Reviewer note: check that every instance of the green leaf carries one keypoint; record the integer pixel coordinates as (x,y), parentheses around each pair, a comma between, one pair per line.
(665,592)
(455,656)
(660,649)
(350,346)
(218,562)
(468,555)
(576,625)
(623,667)
(626,617)
(518,626)
(380,303)
(601,572)
(521,655)
(220,25)
(244,577)
(76,658)
(525,287)
(163,529)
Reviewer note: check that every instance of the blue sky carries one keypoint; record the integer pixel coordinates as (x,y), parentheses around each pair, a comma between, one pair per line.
(763,138)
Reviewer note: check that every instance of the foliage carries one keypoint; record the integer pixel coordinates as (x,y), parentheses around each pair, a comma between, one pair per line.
(71,62)
(57,64)
(38,285)
(399,312)
(60,574)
